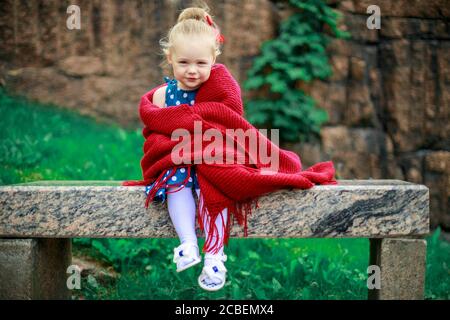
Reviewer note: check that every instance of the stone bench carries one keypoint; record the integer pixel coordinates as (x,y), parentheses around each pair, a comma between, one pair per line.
(38,220)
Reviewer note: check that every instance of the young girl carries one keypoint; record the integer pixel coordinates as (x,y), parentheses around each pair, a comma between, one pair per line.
(204,91)
(191,49)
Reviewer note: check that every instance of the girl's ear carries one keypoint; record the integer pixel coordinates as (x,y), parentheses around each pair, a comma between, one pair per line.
(169,58)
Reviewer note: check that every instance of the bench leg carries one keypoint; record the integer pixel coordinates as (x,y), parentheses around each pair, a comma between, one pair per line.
(402,263)
(34,268)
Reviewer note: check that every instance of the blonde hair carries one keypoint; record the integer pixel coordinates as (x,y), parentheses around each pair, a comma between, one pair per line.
(192,22)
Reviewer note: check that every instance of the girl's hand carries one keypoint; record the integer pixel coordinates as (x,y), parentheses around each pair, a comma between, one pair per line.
(159,97)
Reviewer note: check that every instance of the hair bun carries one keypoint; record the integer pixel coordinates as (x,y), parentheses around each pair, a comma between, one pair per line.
(193,13)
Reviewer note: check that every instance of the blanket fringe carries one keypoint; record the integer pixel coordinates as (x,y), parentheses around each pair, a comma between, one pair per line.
(239,211)
(132,183)
(161,182)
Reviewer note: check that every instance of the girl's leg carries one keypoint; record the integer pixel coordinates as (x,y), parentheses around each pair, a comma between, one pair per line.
(181,206)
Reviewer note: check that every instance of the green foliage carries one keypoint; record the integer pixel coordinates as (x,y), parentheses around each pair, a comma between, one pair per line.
(437,279)
(119,252)
(296,56)
(299,269)
(42,142)
(257,269)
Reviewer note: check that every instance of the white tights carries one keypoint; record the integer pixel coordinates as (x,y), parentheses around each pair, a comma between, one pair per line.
(181,206)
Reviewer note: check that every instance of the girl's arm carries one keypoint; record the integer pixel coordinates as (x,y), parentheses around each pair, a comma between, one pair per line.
(159,97)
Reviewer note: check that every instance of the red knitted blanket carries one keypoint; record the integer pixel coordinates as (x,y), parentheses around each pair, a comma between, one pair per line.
(218,109)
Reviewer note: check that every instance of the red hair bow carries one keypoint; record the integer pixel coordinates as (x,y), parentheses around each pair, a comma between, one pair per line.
(220,37)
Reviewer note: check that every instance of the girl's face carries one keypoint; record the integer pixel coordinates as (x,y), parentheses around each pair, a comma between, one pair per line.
(191,59)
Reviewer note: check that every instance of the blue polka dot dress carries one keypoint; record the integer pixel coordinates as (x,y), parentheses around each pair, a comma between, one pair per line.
(174,97)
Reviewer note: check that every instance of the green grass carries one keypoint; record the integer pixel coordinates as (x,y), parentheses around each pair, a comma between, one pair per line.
(257,269)
(333,269)
(41,142)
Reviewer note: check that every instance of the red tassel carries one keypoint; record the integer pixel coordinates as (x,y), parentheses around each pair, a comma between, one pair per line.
(160,182)
(155,188)
(132,183)
(240,211)
(209,217)
(182,183)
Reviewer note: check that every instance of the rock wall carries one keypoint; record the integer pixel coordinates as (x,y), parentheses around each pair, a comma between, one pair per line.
(104,68)
(388,99)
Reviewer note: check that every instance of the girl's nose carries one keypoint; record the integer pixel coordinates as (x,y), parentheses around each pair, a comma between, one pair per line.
(191,69)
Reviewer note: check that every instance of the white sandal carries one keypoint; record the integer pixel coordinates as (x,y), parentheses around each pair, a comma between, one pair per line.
(186,255)
(214,270)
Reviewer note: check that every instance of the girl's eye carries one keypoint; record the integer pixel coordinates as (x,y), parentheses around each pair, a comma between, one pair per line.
(182,62)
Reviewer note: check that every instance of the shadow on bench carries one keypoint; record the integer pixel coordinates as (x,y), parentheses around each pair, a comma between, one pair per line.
(38,220)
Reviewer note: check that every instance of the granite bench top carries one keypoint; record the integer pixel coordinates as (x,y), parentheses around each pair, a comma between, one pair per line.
(105,209)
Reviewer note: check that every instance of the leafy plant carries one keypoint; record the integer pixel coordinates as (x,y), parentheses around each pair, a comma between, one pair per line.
(297,56)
